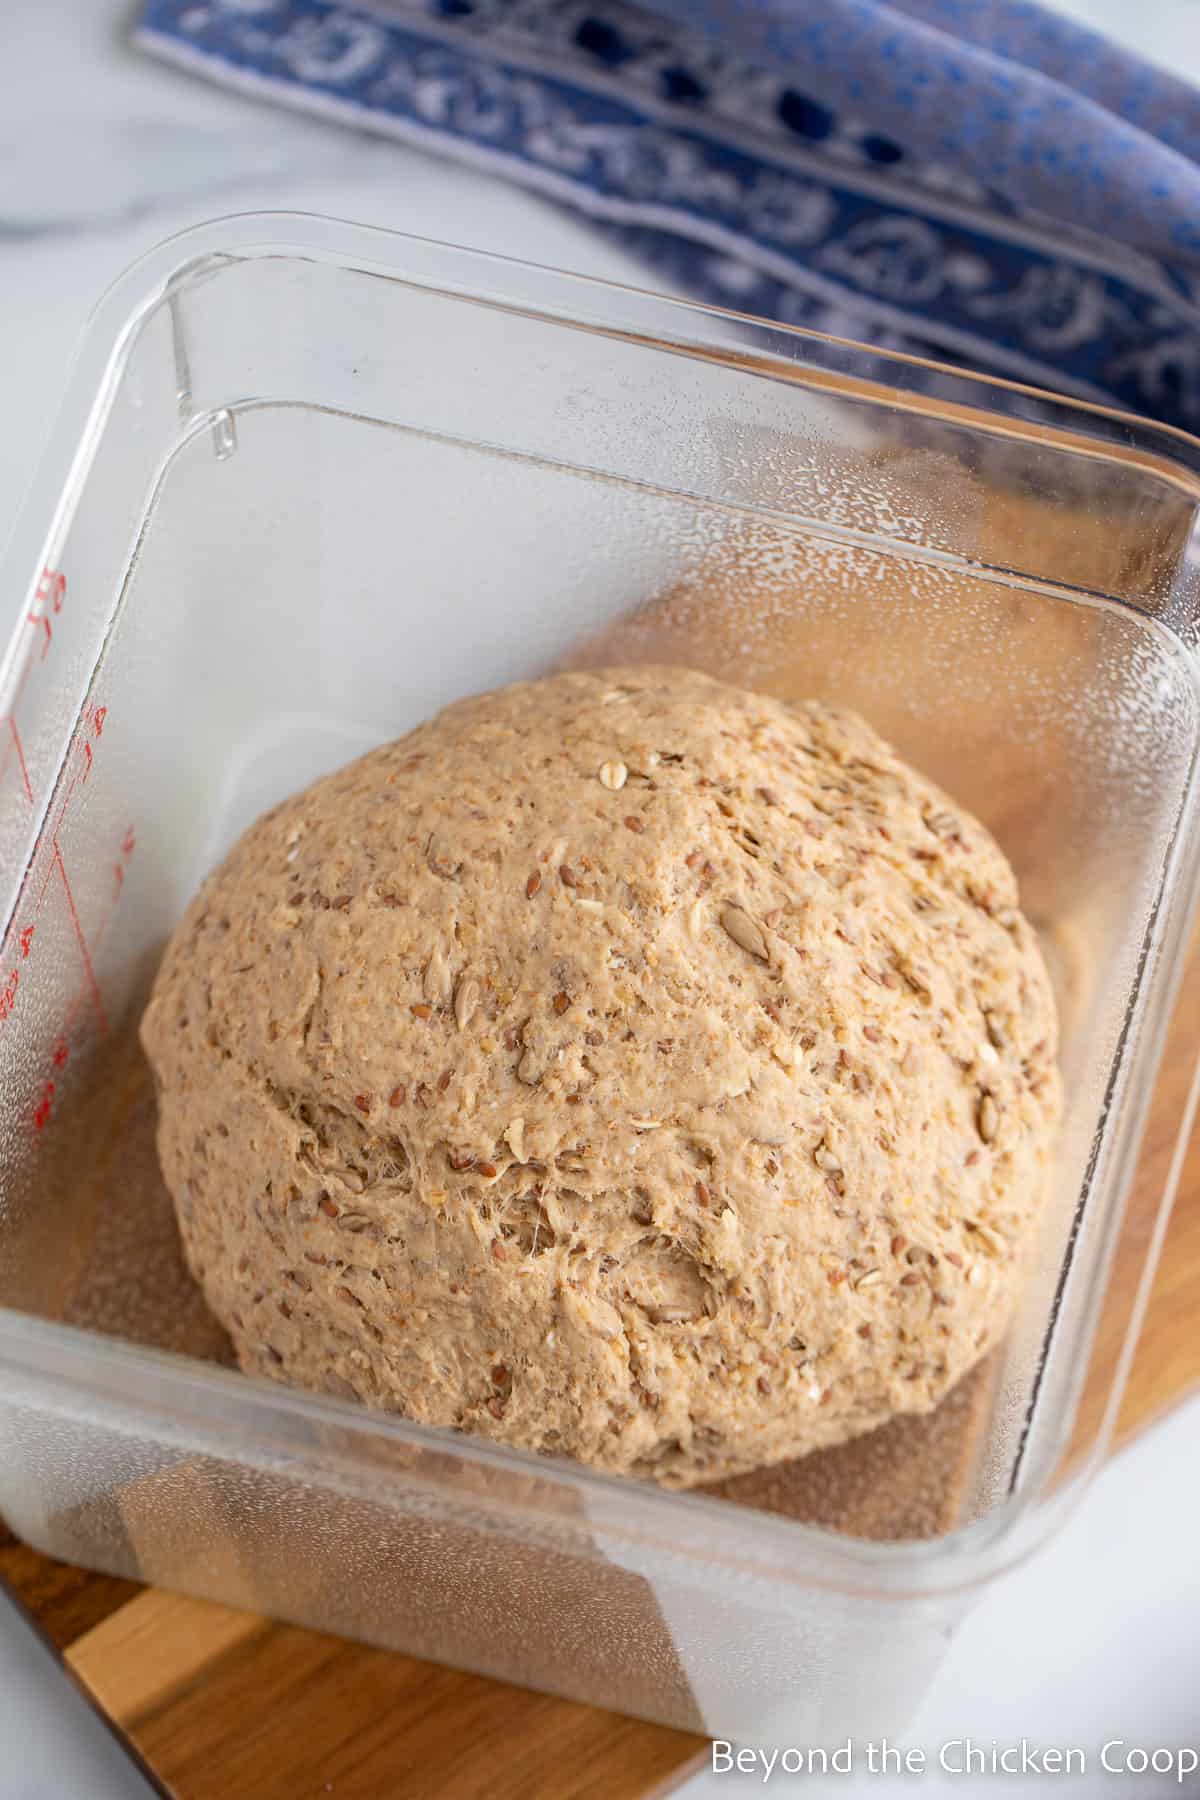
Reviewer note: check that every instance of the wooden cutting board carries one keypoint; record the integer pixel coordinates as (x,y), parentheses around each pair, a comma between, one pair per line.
(222,1703)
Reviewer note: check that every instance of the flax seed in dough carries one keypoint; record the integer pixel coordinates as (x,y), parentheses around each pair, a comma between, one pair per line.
(622,1065)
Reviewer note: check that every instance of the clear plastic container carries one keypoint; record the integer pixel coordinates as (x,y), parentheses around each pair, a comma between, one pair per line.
(312,481)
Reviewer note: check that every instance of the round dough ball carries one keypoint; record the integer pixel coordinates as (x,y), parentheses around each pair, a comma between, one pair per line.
(621,1065)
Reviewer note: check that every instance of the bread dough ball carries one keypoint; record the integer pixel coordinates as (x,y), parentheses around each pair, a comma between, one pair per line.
(621,1065)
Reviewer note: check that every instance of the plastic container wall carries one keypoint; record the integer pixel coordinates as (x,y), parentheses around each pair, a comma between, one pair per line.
(313,482)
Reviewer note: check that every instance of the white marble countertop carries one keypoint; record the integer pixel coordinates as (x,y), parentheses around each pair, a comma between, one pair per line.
(102,154)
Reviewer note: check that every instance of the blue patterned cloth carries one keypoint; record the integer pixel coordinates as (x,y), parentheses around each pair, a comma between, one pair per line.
(975,180)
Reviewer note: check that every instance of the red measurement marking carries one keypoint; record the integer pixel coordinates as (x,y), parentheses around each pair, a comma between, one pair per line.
(76,777)
(51,592)
(14,743)
(93,719)
(44,1108)
(18,746)
(12,981)
(62,811)
(51,589)
(43,1111)
(128,845)
(46,878)
(54,857)
(93,984)
(93,729)
(91,987)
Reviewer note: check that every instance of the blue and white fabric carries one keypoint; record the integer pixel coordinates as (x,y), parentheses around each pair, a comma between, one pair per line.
(975,180)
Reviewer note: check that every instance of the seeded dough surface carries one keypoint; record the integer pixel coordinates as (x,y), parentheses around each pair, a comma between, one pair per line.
(622,1065)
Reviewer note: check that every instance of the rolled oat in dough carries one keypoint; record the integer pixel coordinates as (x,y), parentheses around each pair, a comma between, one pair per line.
(622,1065)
